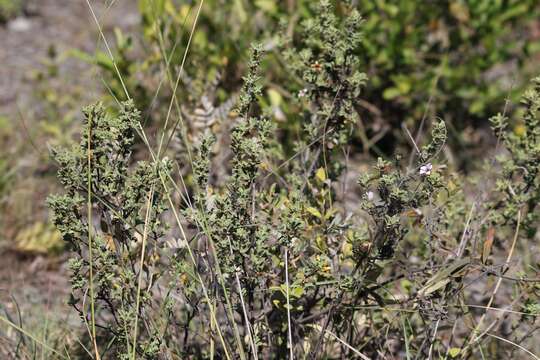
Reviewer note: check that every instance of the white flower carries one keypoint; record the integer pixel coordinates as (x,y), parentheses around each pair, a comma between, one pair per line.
(302,93)
(425,170)
(370,195)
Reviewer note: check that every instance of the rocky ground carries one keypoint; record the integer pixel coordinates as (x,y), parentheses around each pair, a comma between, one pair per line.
(62,24)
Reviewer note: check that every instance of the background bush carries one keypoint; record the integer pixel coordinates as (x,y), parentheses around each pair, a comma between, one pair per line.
(458,60)
(10,9)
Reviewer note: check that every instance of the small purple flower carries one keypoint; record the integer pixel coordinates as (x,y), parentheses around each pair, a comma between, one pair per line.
(425,170)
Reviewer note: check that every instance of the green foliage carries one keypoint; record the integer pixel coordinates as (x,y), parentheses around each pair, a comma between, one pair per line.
(447,58)
(444,49)
(119,199)
(518,187)
(230,222)
(324,58)
(6,177)
(10,9)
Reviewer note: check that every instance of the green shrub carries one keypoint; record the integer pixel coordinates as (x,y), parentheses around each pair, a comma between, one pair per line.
(455,59)
(271,258)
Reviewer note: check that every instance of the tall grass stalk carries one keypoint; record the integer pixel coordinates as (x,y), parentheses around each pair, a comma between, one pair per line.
(90,239)
(141,268)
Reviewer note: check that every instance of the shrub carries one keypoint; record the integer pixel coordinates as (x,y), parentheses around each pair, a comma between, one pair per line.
(457,53)
(272,258)
(447,58)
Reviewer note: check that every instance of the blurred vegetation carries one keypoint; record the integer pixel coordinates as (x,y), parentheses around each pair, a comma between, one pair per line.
(459,60)
(26,172)
(5,173)
(41,238)
(7,166)
(10,9)
(459,56)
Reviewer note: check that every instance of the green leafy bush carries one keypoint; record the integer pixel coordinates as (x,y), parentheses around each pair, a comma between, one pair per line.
(455,59)
(451,50)
(271,258)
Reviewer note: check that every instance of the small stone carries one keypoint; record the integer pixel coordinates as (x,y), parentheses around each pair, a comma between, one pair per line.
(20,24)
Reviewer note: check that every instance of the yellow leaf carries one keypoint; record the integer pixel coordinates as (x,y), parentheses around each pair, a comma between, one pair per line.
(184,279)
(520,130)
(170,8)
(451,185)
(346,249)
(460,11)
(314,212)
(275,97)
(109,242)
(454,352)
(240,11)
(321,174)
(321,244)
(296,291)
(265,166)
(267,5)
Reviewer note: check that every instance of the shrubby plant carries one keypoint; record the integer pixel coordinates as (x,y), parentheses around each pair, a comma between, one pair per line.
(120,200)
(281,257)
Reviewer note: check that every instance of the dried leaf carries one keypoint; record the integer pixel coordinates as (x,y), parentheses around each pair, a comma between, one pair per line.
(443,277)
(488,243)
